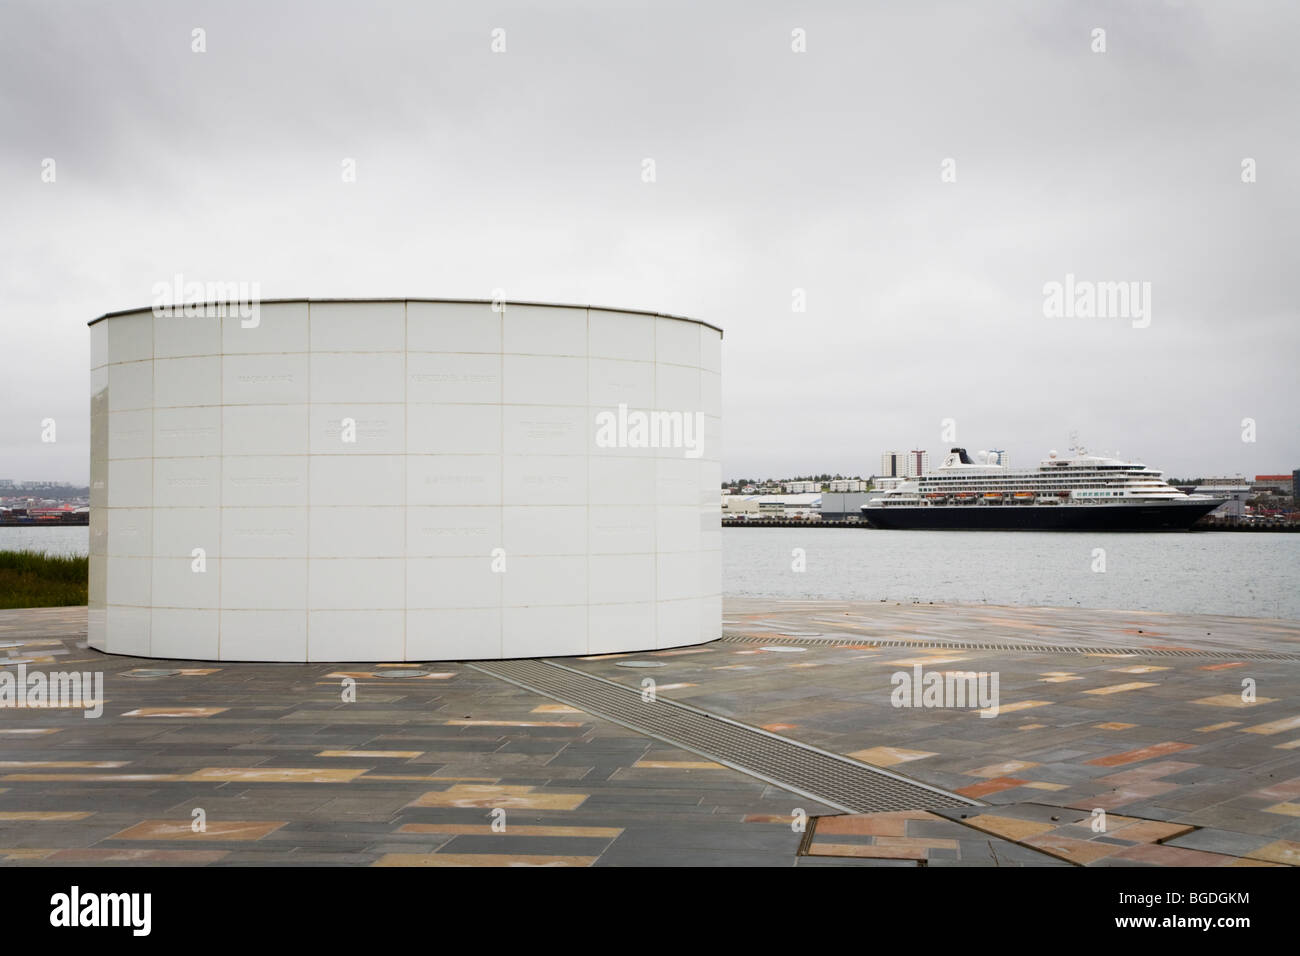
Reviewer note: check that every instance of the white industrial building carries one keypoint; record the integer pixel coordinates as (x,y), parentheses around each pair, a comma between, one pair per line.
(403,480)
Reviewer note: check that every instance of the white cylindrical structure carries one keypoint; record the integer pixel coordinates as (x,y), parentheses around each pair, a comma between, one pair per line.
(402,480)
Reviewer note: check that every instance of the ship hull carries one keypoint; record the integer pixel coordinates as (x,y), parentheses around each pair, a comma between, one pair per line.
(1176,516)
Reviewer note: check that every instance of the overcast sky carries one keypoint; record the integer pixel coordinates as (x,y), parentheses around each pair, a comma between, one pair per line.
(775,170)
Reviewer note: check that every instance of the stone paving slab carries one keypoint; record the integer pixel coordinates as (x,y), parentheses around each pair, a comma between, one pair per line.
(412,773)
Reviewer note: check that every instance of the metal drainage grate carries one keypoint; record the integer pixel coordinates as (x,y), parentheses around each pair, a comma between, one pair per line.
(1036,648)
(828,778)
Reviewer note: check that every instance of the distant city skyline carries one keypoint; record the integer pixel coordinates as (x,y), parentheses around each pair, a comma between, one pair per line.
(911,220)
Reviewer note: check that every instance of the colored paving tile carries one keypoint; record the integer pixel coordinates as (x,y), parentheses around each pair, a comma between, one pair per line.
(1121,688)
(1233,700)
(175,712)
(42,816)
(1002,769)
(1141,753)
(1114,725)
(481,859)
(276,774)
(1280,851)
(1009,828)
(1273,726)
(889,756)
(216,830)
(678,765)
(485,829)
(1213,727)
(977,790)
(1012,708)
(382,754)
(493,797)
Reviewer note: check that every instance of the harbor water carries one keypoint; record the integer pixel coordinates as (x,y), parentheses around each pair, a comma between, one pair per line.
(1243,575)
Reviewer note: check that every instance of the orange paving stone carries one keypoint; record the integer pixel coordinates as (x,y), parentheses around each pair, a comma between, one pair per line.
(1142,753)
(1222,667)
(996,785)
(1223,726)
(1114,725)
(1171,855)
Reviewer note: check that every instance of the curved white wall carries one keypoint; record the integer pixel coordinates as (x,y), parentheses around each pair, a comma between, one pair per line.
(475,430)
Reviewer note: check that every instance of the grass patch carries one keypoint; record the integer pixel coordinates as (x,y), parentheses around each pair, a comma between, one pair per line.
(33,579)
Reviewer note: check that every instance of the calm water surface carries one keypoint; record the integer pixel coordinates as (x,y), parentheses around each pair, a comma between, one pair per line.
(1241,574)
(1250,575)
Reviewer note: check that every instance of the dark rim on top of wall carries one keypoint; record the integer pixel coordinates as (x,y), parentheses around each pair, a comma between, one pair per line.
(549,305)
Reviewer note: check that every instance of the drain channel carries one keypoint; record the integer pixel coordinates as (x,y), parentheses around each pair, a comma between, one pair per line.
(831,779)
(1035,648)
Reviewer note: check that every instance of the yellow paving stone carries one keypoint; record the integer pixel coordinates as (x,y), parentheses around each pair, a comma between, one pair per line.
(1012,708)
(241,830)
(923,661)
(1120,688)
(554,709)
(1113,725)
(492,797)
(1243,861)
(867,851)
(429,777)
(1273,726)
(1004,769)
(1287,809)
(25,854)
(174,711)
(930,843)
(1223,726)
(1281,851)
(43,815)
(1058,678)
(480,859)
(889,756)
(30,730)
(458,722)
(1008,827)
(98,777)
(1043,785)
(371,753)
(679,765)
(1232,700)
(1138,669)
(277,774)
(1289,745)
(1031,726)
(485,829)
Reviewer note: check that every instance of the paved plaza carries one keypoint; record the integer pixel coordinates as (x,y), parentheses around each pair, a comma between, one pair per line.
(1130,744)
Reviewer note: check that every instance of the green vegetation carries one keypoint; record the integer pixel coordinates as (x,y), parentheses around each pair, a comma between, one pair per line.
(33,579)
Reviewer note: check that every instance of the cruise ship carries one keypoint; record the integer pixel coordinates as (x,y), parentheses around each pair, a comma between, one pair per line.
(1080,492)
